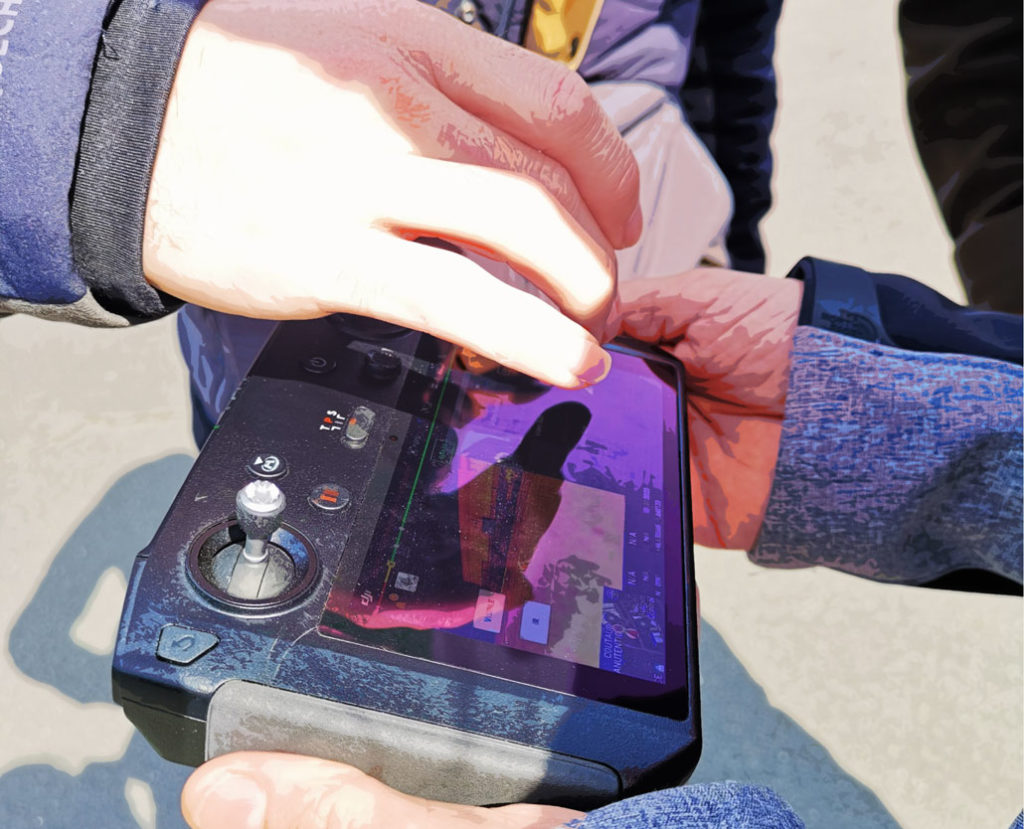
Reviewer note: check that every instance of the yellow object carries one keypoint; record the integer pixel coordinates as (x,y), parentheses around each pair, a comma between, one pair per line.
(561,29)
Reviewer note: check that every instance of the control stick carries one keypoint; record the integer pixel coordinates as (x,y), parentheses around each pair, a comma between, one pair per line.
(258,506)
(257,569)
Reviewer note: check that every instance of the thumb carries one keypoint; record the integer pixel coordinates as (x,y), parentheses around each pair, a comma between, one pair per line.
(253,790)
(267,790)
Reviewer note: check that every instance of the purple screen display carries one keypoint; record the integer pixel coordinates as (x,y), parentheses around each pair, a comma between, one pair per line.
(531,518)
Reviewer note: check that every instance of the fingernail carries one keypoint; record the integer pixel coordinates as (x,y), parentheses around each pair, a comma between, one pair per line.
(596,364)
(229,801)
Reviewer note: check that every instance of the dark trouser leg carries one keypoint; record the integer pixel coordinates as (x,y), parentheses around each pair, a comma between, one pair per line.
(964,94)
(202,426)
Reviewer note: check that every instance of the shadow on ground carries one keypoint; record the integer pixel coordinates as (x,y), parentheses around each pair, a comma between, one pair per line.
(745,738)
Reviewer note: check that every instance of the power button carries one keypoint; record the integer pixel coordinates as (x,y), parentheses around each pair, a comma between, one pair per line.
(318,364)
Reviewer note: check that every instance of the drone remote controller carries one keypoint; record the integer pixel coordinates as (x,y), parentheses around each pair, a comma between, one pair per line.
(474,586)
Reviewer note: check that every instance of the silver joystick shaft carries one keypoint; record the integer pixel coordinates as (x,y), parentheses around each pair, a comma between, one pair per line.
(259,506)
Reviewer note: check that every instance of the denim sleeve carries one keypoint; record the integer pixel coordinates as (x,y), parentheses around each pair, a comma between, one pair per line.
(703,806)
(83,84)
(47,48)
(897,465)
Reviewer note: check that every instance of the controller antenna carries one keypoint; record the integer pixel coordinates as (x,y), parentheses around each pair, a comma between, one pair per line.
(259,506)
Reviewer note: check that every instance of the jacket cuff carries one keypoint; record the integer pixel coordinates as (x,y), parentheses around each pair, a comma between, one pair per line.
(839,298)
(889,309)
(135,67)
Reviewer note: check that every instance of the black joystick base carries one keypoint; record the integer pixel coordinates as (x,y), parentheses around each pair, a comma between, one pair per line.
(233,573)
(219,568)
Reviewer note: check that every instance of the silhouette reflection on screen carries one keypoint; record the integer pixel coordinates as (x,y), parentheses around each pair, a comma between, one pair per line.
(482,536)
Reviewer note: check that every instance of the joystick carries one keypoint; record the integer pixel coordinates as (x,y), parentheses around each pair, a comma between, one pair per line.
(252,560)
(249,565)
(258,506)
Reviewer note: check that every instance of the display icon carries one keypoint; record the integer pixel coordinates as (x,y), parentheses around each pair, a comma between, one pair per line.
(332,421)
(535,622)
(490,608)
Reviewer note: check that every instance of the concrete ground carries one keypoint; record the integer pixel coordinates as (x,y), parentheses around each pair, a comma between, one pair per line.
(864,705)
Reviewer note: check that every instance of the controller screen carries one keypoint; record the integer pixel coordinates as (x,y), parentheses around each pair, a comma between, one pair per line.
(529,532)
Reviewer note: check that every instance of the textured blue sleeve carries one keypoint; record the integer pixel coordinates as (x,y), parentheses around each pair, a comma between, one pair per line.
(47,49)
(897,465)
(701,806)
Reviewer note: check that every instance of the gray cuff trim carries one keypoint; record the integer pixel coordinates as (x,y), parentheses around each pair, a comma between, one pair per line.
(134,71)
(86,311)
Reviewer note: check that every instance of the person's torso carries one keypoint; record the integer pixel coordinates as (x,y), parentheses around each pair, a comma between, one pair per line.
(635,40)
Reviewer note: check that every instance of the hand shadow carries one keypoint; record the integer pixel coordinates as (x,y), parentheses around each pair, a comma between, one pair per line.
(482,536)
(41,645)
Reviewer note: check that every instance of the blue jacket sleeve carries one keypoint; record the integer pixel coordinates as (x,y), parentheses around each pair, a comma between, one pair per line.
(897,465)
(83,84)
(46,53)
(698,806)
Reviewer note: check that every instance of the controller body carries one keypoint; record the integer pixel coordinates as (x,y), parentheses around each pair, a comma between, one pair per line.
(342,416)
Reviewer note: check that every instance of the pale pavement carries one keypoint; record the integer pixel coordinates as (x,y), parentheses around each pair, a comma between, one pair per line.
(864,705)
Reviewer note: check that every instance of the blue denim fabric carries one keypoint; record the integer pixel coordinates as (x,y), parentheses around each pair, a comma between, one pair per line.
(218,350)
(47,53)
(706,806)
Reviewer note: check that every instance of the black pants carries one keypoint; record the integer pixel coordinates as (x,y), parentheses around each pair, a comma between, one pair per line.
(964,67)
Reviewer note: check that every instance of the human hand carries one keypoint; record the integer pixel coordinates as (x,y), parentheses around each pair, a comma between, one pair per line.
(306,144)
(287,791)
(733,332)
